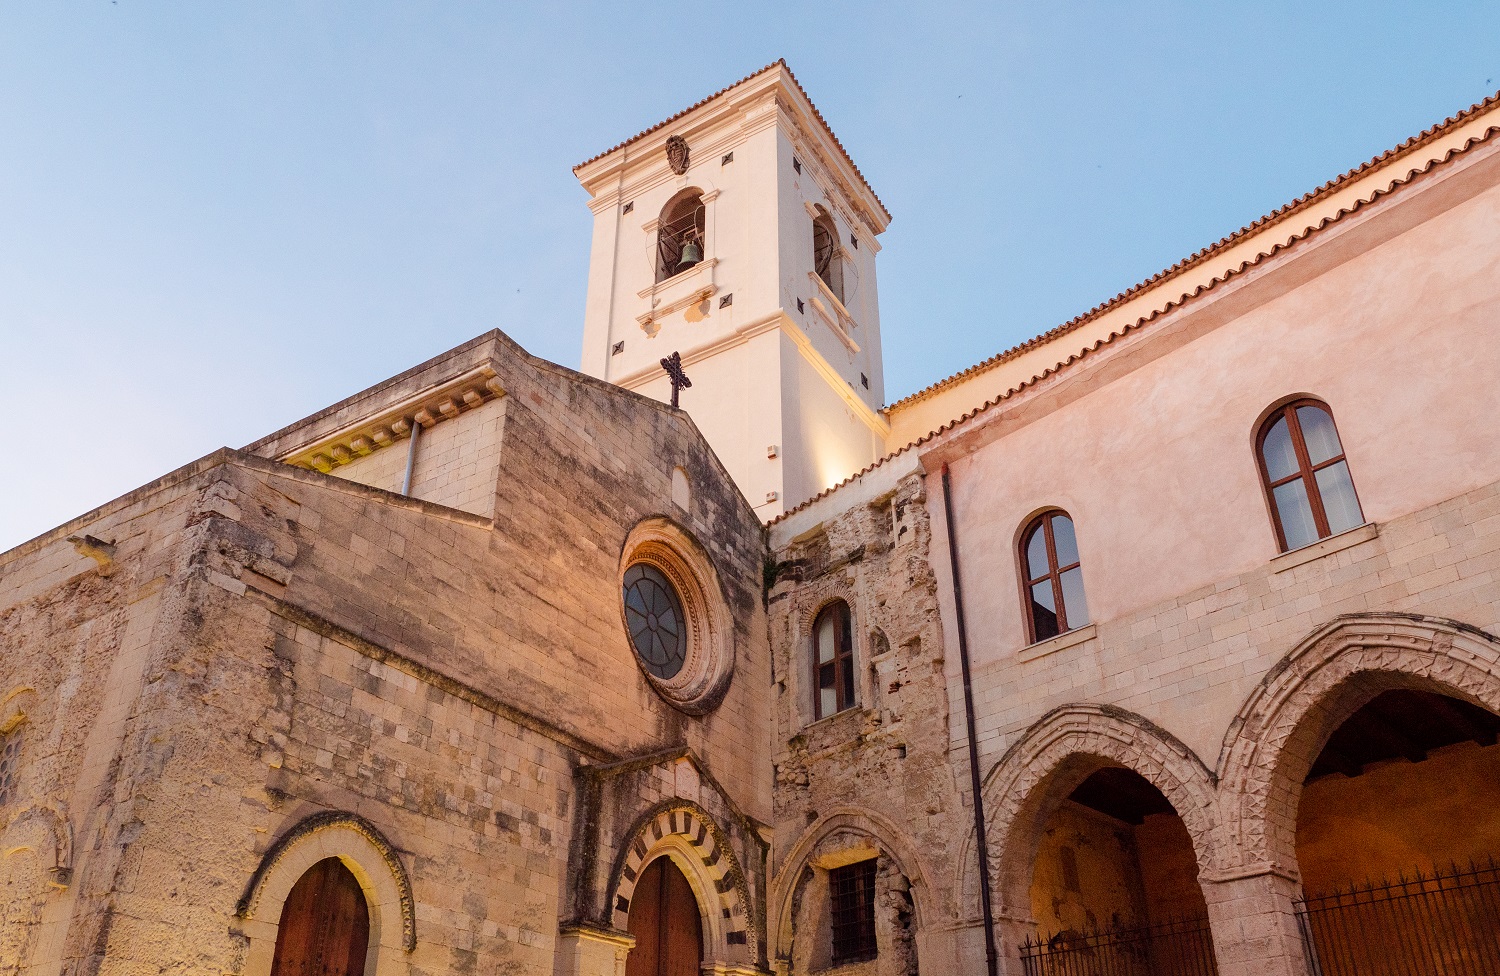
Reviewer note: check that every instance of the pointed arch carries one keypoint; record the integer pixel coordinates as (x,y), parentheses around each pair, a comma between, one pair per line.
(368,855)
(1059,751)
(686,833)
(53,820)
(1282,727)
(886,837)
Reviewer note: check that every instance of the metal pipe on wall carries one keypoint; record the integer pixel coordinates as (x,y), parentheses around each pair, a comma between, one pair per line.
(411,456)
(981,843)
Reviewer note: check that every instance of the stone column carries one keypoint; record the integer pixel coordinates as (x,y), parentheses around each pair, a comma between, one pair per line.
(1254,928)
(592,950)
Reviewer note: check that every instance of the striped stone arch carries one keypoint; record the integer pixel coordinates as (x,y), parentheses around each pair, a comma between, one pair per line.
(685,832)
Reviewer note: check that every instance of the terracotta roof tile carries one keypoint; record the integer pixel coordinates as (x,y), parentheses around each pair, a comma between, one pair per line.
(1182,300)
(781,62)
(1193,260)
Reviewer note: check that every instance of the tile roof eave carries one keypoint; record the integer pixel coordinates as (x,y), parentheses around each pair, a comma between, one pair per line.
(781,63)
(1284,212)
(1150,317)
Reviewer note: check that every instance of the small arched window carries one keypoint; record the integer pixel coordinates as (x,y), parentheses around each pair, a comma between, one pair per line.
(679,237)
(325,925)
(826,253)
(1055,601)
(833,660)
(10,764)
(1305,475)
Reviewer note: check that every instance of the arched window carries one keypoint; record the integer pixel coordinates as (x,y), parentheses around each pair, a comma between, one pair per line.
(1054,577)
(1305,475)
(325,924)
(679,237)
(833,660)
(826,253)
(10,764)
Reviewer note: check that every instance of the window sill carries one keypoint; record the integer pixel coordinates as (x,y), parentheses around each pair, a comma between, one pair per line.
(1061,642)
(1325,547)
(818,723)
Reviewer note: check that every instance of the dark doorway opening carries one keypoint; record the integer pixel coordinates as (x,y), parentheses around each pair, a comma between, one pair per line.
(325,925)
(666,923)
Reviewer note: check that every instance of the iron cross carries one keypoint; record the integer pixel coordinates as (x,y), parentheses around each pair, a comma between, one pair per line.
(673,365)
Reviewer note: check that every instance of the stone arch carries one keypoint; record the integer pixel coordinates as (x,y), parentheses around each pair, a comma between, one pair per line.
(1059,751)
(685,832)
(57,846)
(375,864)
(26,882)
(887,837)
(1282,727)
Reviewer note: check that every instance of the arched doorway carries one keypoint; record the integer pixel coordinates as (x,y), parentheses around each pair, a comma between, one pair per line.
(1398,835)
(1114,885)
(325,925)
(666,923)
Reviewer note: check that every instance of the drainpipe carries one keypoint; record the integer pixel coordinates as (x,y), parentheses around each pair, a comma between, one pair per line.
(411,456)
(981,842)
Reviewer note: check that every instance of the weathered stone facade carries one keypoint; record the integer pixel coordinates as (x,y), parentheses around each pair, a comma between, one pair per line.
(396,634)
(275,647)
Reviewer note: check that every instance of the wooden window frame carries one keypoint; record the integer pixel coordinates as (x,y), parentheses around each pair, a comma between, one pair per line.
(1043,523)
(1306,470)
(843,658)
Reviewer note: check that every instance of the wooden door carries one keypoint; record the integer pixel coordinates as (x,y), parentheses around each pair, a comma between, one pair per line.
(665,922)
(325,925)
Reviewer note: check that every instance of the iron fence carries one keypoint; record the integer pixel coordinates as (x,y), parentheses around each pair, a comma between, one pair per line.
(1176,948)
(1446,923)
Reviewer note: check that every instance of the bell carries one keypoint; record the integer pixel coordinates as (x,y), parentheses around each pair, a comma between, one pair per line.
(691,255)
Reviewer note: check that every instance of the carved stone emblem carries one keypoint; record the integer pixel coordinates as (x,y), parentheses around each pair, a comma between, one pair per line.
(677,154)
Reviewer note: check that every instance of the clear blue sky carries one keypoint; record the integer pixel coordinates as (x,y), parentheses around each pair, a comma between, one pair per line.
(216,218)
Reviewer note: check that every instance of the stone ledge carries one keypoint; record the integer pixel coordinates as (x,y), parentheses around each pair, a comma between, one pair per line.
(1325,547)
(1052,645)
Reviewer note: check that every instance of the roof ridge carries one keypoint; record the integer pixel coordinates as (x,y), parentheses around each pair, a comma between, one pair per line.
(1155,314)
(781,63)
(1203,254)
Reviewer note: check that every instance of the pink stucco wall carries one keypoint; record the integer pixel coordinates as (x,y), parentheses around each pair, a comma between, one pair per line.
(1152,454)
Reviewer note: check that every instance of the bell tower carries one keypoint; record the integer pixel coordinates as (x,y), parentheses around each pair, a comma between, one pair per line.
(741,235)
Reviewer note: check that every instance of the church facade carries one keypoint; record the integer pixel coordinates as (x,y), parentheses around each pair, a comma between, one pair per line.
(1163,643)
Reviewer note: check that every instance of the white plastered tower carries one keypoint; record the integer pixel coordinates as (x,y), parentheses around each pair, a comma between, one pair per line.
(785,362)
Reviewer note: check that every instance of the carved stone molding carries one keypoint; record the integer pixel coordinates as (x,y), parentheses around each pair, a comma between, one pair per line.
(327,821)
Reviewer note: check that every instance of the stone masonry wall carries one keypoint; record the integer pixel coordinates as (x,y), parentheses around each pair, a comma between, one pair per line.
(877,777)
(274,643)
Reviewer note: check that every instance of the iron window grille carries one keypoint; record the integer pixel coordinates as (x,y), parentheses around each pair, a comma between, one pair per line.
(852,893)
(10,762)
